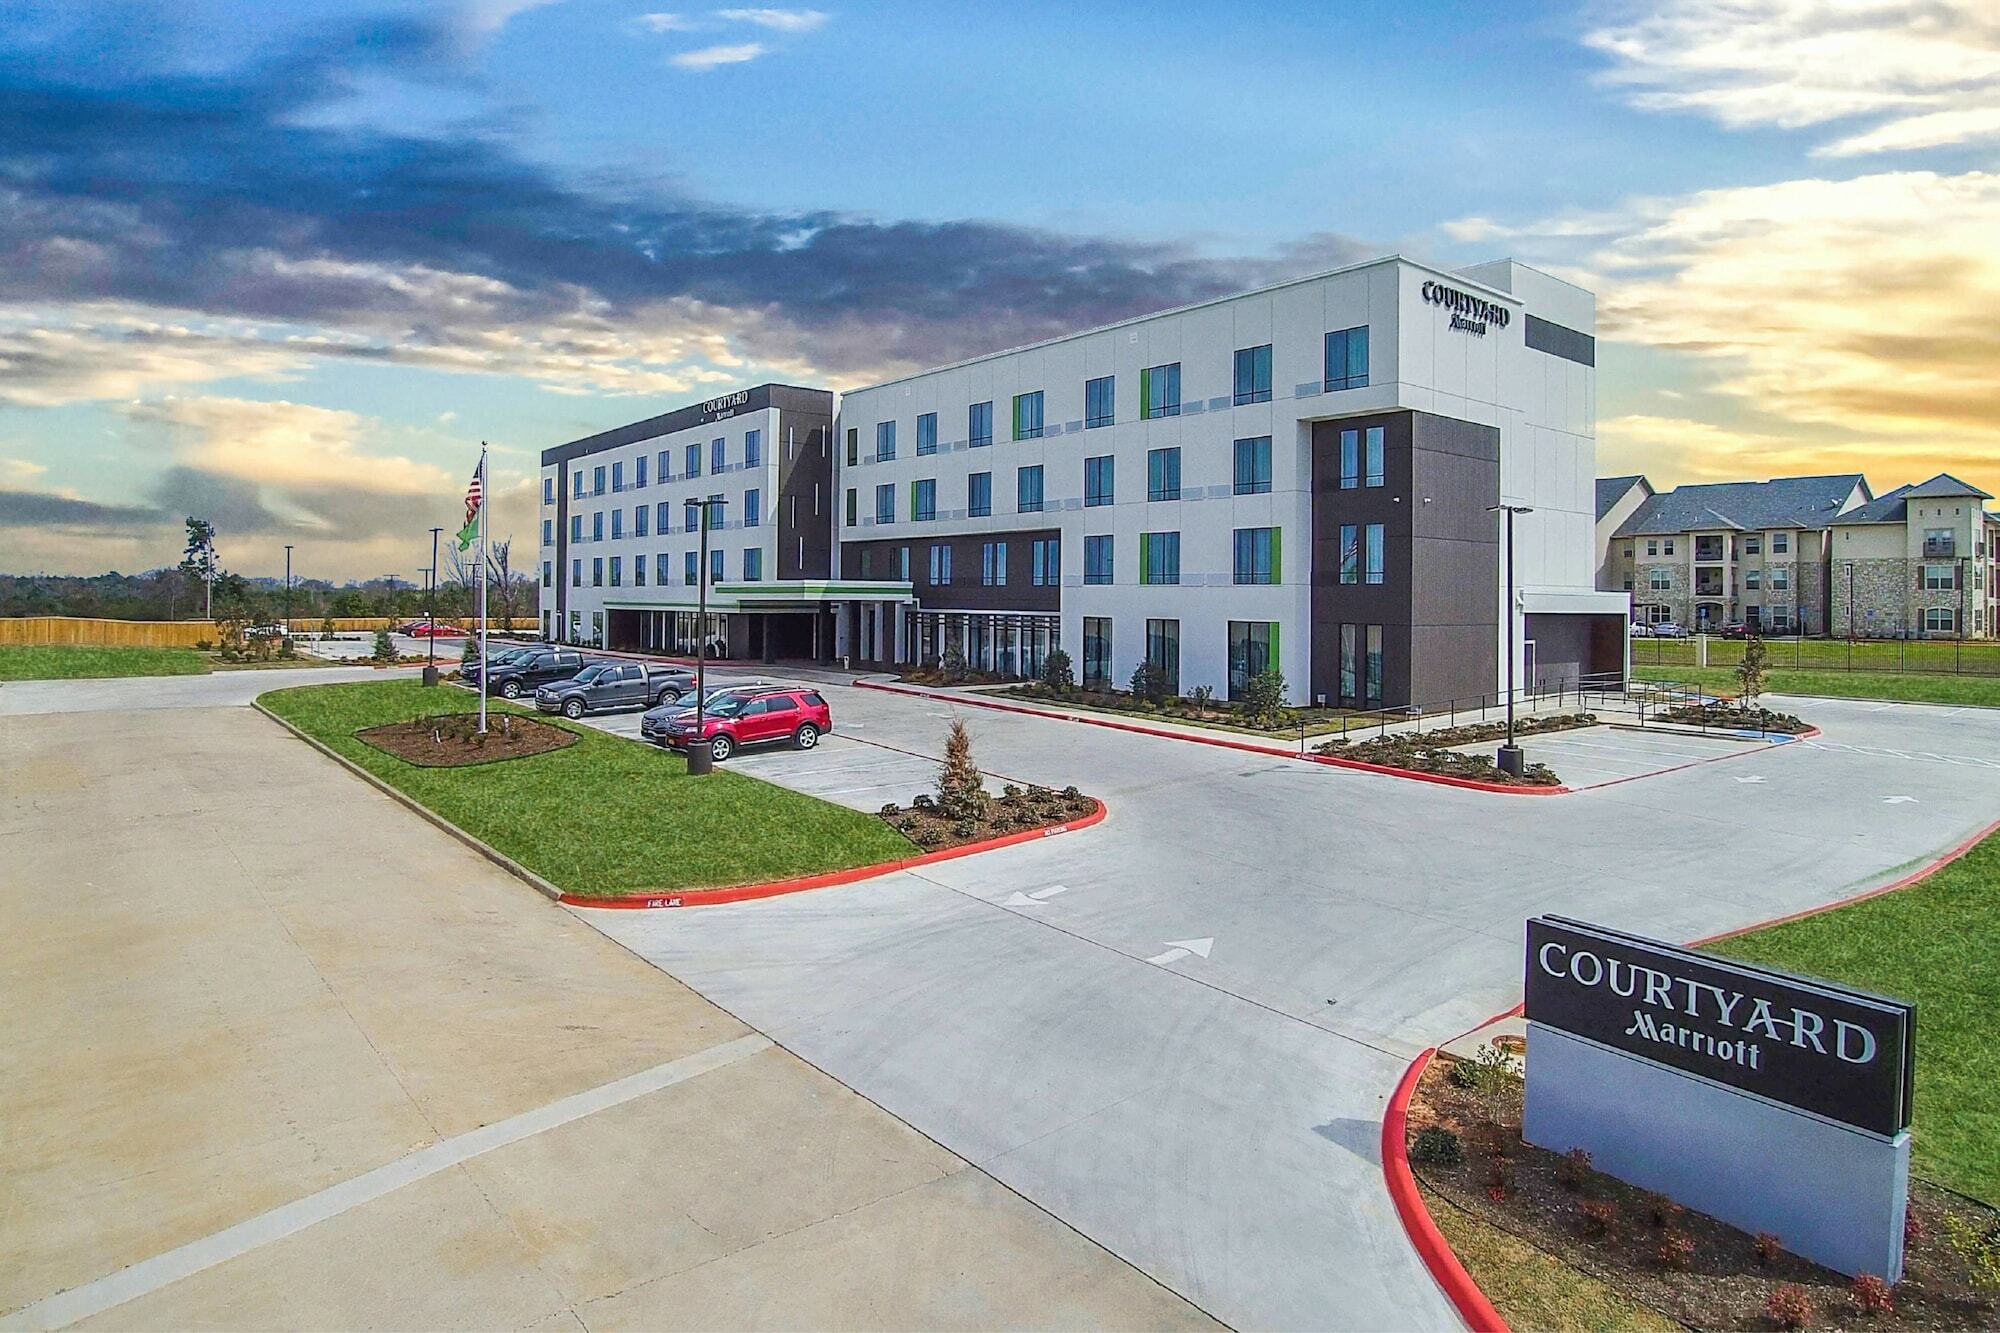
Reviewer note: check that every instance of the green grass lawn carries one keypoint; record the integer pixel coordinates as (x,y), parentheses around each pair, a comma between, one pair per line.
(1841,684)
(1969,656)
(78,662)
(1937,944)
(605,816)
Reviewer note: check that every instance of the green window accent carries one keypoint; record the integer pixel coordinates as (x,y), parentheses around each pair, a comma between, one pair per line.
(1277,648)
(1145,397)
(913,499)
(1017,417)
(1145,554)
(1277,576)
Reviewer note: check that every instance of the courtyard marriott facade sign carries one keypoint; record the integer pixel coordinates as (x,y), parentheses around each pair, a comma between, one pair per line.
(1469,313)
(1773,1101)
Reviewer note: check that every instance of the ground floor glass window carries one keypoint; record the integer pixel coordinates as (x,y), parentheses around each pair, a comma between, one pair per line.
(1163,650)
(1097,652)
(1249,653)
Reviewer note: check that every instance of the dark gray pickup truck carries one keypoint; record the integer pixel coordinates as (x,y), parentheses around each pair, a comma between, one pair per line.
(603,686)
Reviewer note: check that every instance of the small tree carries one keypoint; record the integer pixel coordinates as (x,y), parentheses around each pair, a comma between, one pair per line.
(470,653)
(1750,671)
(1057,673)
(385,647)
(961,792)
(326,626)
(1149,682)
(1200,696)
(953,664)
(1264,698)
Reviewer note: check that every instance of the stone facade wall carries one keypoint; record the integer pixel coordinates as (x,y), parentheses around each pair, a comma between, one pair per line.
(1676,598)
(1883,593)
(1809,592)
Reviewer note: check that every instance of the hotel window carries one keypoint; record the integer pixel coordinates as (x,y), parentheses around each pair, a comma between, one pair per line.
(1160,391)
(1100,401)
(1938,578)
(690,568)
(753,448)
(1347,358)
(1373,544)
(1096,652)
(718,455)
(1253,466)
(617,571)
(1099,476)
(1250,656)
(597,481)
(597,526)
(548,490)
(665,470)
(1097,559)
(617,524)
(641,516)
(926,434)
(662,568)
(1753,545)
(753,508)
(663,517)
(617,477)
(1253,374)
(548,532)
(1667,548)
(1350,459)
(1940,620)
(1028,415)
(1652,547)
(1781,579)
(1163,474)
(753,564)
(1781,543)
(715,568)
(1373,457)
(576,573)
(1046,562)
(993,565)
(1160,557)
(885,503)
(1661,580)
(1163,650)
(1350,553)
(852,502)
(853,446)
(1256,557)
(903,563)
(638,571)
(979,425)
(979,495)
(923,500)
(1028,490)
(577,491)
(885,441)
(692,458)
(1371,682)
(597,571)
(639,472)
(1753,580)
(940,565)
(1350,663)
(548,574)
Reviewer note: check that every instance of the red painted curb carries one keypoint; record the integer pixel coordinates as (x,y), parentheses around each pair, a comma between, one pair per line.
(1806,735)
(746,892)
(1431,1246)
(1442,779)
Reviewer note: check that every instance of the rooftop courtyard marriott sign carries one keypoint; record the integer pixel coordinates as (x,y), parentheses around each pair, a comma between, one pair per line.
(1469,313)
(1775,1102)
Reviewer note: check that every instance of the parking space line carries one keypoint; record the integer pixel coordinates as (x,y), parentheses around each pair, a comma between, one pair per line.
(149,1275)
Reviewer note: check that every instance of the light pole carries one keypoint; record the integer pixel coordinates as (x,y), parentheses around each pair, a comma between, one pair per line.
(431,639)
(288,590)
(1511,759)
(701,759)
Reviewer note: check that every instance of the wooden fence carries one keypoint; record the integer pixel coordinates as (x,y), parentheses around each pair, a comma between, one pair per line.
(149,633)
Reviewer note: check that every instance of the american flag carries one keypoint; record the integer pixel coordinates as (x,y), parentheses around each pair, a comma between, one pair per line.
(472,494)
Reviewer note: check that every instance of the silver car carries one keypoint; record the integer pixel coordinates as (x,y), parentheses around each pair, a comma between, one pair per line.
(654,721)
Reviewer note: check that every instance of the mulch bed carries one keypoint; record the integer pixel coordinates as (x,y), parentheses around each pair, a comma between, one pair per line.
(1015,810)
(1735,717)
(451,740)
(1431,752)
(1541,1197)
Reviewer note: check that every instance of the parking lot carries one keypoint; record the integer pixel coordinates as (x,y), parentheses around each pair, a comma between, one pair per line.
(1596,756)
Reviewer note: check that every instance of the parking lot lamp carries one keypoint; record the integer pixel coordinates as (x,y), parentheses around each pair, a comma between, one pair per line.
(1511,759)
(430,640)
(700,759)
(288,590)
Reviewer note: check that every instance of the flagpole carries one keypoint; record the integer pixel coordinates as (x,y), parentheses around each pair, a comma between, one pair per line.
(484,658)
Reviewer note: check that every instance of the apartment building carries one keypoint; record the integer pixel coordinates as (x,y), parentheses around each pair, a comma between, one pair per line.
(1302,477)
(1744,552)
(1921,561)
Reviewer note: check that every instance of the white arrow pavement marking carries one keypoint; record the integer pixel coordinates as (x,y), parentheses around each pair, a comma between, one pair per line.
(1179,949)
(1899,800)
(1038,898)
(1757,779)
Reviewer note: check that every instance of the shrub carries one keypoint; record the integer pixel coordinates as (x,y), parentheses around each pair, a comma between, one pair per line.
(204,645)
(964,828)
(1057,673)
(1201,696)
(1010,792)
(326,628)
(1767,1247)
(385,647)
(1574,1172)
(470,652)
(1662,1211)
(1676,1251)
(1790,1307)
(923,801)
(1070,793)
(961,794)
(1149,683)
(1264,698)
(890,811)
(1599,1216)
(1463,1074)
(952,665)
(287,649)
(1871,1295)
(1436,1146)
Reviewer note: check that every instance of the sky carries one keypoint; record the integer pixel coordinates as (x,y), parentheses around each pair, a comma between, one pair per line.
(286,266)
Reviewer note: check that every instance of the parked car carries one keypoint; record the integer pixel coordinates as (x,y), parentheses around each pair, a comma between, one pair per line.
(654,722)
(1735,629)
(539,667)
(1641,630)
(799,716)
(430,629)
(1667,629)
(606,685)
(471,671)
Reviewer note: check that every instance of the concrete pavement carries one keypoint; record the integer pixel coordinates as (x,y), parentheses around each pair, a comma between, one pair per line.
(325,1067)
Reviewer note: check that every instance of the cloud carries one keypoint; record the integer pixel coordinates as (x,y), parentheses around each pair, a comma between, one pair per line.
(664,23)
(20,470)
(39,509)
(1923,72)
(778,20)
(713,57)
(295,446)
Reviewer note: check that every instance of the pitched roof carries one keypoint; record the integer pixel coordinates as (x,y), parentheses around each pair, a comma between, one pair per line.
(1945,485)
(1612,489)
(1889,507)
(1783,502)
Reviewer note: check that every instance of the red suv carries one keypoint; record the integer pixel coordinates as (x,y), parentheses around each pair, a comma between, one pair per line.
(796,715)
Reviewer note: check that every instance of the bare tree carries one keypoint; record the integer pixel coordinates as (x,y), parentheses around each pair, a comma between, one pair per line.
(503,588)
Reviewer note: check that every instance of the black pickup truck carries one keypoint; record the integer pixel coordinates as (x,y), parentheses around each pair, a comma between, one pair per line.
(607,685)
(514,678)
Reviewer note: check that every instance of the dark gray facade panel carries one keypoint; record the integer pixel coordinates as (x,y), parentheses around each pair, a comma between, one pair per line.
(1558,340)
(786,397)
(881,560)
(1569,646)
(804,512)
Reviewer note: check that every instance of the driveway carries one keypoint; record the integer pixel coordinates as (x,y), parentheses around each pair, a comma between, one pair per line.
(281,1054)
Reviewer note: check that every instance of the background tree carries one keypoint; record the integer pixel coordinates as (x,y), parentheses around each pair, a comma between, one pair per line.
(198,558)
